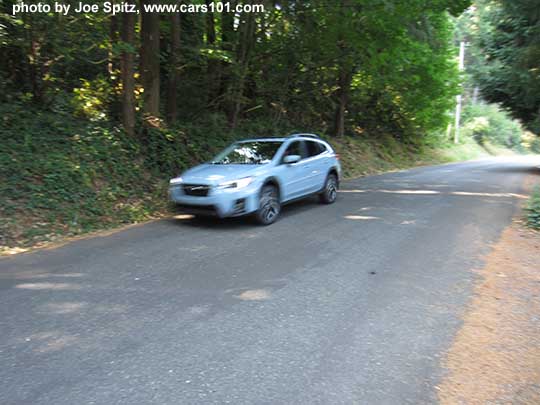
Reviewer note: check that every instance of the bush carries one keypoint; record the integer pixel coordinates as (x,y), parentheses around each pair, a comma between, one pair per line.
(533,210)
(65,175)
(488,123)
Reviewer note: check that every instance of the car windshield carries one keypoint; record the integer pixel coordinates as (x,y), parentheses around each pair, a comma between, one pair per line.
(248,153)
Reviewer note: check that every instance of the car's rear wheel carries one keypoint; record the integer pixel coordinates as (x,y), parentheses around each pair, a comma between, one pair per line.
(329,193)
(269,205)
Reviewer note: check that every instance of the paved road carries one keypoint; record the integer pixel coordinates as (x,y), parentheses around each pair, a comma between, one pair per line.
(350,303)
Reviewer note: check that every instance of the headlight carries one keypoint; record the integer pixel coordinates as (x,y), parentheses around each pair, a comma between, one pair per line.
(177,180)
(236,184)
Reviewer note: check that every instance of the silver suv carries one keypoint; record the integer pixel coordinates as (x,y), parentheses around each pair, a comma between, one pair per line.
(258,176)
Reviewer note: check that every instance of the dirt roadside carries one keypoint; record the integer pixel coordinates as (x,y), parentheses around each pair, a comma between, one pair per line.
(495,356)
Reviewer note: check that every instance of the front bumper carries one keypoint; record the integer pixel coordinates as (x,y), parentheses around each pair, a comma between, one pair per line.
(220,203)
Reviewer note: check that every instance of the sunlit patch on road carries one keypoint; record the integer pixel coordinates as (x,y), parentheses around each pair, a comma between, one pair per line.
(391,191)
(501,195)
(427,192)
(184,216)
(57,344)
(254,295)
(65,307)
(361,217)
(46,342)
(48,286)
(413,222)
(198,310)
(39,274)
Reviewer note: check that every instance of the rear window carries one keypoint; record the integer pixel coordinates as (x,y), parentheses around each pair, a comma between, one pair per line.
(314,148)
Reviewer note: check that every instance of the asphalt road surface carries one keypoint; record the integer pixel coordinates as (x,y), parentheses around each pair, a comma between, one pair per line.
(354,302)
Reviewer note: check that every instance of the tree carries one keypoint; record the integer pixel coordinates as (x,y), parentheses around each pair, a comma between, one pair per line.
(340,67)
(243,53)
(507,36)
(174,69)
(213,63)
(150,63)
(127,72)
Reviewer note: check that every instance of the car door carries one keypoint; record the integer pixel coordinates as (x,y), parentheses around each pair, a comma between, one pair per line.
(317,165)
(294,177)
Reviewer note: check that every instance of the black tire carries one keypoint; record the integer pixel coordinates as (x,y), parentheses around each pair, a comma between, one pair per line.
(269,205)
(329,194)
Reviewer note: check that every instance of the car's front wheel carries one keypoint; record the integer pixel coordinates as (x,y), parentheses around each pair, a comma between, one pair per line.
(329,194)
(269,205)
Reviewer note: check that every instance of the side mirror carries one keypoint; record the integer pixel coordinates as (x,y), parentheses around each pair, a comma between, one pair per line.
(291,159)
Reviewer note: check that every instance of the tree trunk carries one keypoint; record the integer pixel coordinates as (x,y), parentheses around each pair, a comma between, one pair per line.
(228,39)
(213,65)
(114,65)
(113,38)
(34,61)
(149,68)
(210,25)
(345,74)
(247,30)
(128,81)
(227,28)
(174,70)
(344,82)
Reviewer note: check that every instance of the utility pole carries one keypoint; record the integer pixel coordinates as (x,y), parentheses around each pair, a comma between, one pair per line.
(459,98)
(475,95)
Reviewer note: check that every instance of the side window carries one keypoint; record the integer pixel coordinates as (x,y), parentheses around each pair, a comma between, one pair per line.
(295,148)
(314,148)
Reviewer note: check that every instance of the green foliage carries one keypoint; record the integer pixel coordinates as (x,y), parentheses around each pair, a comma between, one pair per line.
(535,146)
(487,122)
(395,59)
(60,174)
(93,98)
(533,210)
(466,149)
(398,56)
(504,56)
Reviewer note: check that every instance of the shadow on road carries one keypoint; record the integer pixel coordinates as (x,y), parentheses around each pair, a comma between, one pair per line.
(292,209)
(534,170)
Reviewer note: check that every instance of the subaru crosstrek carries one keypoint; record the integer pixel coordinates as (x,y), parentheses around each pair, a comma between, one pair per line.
(258,176)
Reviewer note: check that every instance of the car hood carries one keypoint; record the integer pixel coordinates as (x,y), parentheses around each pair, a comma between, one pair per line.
(217,174)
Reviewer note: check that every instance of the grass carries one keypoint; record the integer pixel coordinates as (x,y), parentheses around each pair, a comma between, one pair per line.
(467,149)
(533,210)
(61,176)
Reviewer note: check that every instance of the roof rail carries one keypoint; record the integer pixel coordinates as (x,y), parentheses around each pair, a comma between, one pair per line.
(304,135)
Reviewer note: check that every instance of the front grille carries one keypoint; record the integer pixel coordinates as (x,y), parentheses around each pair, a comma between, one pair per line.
(197,190)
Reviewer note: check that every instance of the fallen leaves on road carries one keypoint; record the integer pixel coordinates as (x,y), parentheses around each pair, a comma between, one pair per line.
(495,357)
